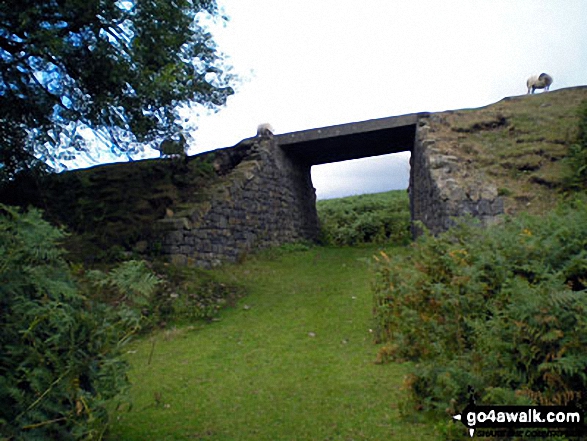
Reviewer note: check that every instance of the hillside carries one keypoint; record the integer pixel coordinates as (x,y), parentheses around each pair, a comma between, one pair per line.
(502,309)
(516,145)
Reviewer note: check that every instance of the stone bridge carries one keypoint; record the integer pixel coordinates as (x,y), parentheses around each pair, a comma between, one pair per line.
(267,198)
(218,206)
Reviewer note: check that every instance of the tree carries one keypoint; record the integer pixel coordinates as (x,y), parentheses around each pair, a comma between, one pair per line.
(119,68)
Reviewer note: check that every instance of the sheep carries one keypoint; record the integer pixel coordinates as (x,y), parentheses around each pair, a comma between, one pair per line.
(264,130)
(542,81)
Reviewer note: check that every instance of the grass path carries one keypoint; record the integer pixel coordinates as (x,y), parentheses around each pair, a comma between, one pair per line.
(293,361)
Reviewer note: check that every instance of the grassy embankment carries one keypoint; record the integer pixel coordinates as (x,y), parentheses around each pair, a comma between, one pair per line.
(517,144)
(294,359)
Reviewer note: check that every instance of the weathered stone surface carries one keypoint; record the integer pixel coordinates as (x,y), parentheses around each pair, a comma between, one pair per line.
(266,199)
(174,223)
(443,187)
(446,162)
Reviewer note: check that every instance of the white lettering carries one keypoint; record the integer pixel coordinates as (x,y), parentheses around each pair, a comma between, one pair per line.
(512,417)
(528,416)
(573,417)
(471,418)
(491,415)
(523,417)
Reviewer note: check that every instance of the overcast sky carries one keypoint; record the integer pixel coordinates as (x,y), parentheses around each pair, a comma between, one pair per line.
(315,63)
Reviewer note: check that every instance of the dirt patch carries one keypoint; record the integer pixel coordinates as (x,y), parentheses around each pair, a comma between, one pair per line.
(497,122)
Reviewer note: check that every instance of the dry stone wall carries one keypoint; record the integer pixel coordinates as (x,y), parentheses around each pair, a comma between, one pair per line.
(443,187)
(264,199)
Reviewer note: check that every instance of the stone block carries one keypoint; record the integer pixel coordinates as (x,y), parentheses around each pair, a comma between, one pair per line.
(186,250)
(446,162)
(178,259)
(174,237)
(483,208)
(173,224)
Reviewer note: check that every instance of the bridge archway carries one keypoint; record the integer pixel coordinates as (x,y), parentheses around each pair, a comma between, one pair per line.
(344,142)
(376,174)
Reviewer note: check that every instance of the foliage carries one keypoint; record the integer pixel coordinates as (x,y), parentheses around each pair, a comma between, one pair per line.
(377,218)
(577,157)
(131,284)
(189,293)
(122,69)
(59,349)
(502,310)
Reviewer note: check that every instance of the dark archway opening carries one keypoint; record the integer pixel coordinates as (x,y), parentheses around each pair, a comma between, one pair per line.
(335,144)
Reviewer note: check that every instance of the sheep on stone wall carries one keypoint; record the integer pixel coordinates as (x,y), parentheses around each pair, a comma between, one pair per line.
(265,130)
(542,81)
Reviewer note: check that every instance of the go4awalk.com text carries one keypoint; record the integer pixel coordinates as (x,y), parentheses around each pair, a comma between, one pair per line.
(534,421)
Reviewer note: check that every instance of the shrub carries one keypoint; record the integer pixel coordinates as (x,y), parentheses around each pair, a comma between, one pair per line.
(502,310)
(59,350)
(377,218)
(577,157)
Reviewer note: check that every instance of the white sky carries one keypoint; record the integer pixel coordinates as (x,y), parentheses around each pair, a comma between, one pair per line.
(315,63)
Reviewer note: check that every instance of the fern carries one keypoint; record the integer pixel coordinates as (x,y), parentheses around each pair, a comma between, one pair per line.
(502,310)
(131,282)
(59,350)
(134,281)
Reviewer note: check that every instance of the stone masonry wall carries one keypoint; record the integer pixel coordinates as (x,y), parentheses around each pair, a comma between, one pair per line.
(443,187)
(267,199)
(218,206)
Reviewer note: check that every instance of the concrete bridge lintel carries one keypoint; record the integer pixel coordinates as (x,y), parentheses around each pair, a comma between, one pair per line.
(349,128)
(353,140)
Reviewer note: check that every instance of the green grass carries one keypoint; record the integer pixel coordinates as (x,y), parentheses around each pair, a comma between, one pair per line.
(294,360)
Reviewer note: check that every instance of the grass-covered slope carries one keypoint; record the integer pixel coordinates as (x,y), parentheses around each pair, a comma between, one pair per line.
(517,145)
(501,310)
(294,360)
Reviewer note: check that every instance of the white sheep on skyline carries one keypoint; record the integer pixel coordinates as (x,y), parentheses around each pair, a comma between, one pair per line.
(264,130)
(542,81)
